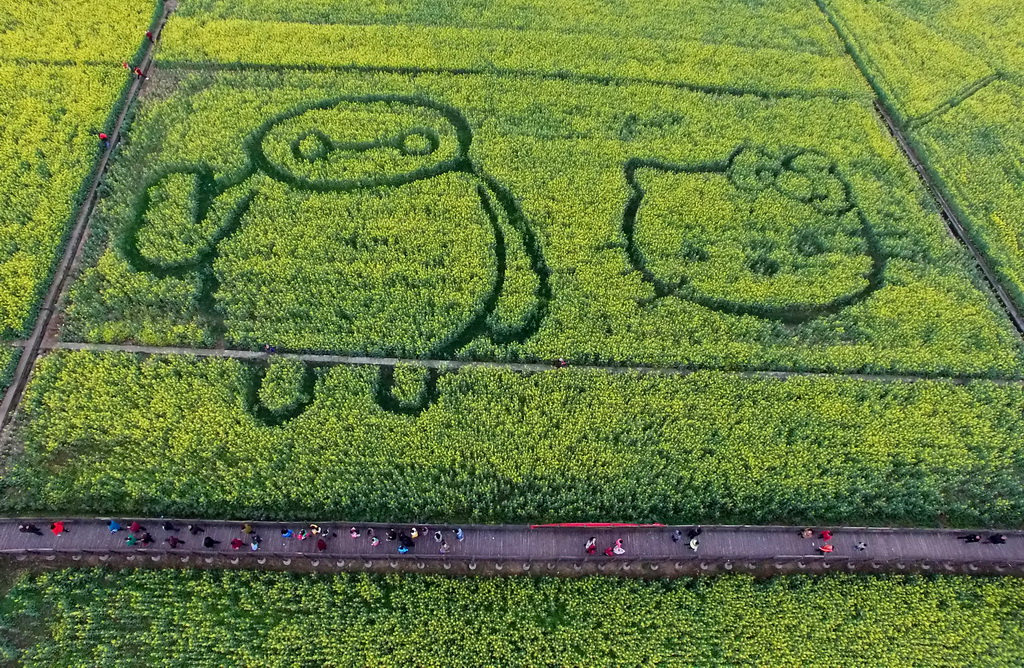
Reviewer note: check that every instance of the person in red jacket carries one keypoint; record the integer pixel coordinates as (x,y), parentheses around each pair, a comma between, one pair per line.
(236,543)
(105,138)
(149,35)
(825,549)
(139,73)
(826,535)
(57,528)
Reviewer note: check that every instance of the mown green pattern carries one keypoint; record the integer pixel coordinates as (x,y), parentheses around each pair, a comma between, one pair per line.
(312,270)
(198,619)
(110,434)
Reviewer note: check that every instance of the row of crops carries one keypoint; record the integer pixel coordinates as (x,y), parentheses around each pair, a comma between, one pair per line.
(954,72)
(60,82)
(111,434)
(510,216)
(778,46)
(787,25)
(196,619)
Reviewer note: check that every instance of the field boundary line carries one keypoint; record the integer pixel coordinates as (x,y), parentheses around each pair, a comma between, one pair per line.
(60,276)
(947,105)
(317,359)
(953,224)
(709,89)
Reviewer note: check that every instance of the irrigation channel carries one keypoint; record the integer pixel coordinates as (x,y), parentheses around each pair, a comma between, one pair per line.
(649,550)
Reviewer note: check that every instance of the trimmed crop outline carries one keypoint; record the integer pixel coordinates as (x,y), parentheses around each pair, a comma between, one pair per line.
(765,177)
(495,200)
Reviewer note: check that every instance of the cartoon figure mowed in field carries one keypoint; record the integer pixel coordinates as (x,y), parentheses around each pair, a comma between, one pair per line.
(357,222)
(776,235)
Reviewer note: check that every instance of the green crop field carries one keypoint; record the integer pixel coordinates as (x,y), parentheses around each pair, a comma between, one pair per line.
(175,618)
(707,188)
(955,72)
(60,83)
(593,216)
(173,436)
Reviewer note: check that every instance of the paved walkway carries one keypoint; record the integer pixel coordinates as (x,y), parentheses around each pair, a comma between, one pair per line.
(525,543)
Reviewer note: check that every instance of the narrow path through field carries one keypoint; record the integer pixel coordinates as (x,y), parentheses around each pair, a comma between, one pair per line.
(62,273)
(954,224)
(885,548)
(958,99)
(530,367)
(956,228)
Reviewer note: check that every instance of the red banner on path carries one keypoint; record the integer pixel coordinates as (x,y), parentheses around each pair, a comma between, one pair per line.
(593,525)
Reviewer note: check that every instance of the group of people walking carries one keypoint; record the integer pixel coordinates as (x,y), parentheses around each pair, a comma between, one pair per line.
(617,549)
(693,536)
(407,540)
(827,547)
(611,551)
(995,539)
(402,539)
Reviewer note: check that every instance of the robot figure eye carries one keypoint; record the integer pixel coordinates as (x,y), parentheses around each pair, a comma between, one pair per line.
(419,141)
(312,146)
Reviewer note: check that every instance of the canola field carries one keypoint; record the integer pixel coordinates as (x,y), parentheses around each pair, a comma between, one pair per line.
(60,85)
(954,72)
(177,437)
(196,618)
(463,195)
(699,185)
(715,193)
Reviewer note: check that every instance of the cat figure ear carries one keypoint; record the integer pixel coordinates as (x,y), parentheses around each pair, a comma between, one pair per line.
(752,168)
(812,178)
(522,288)
(178,220)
